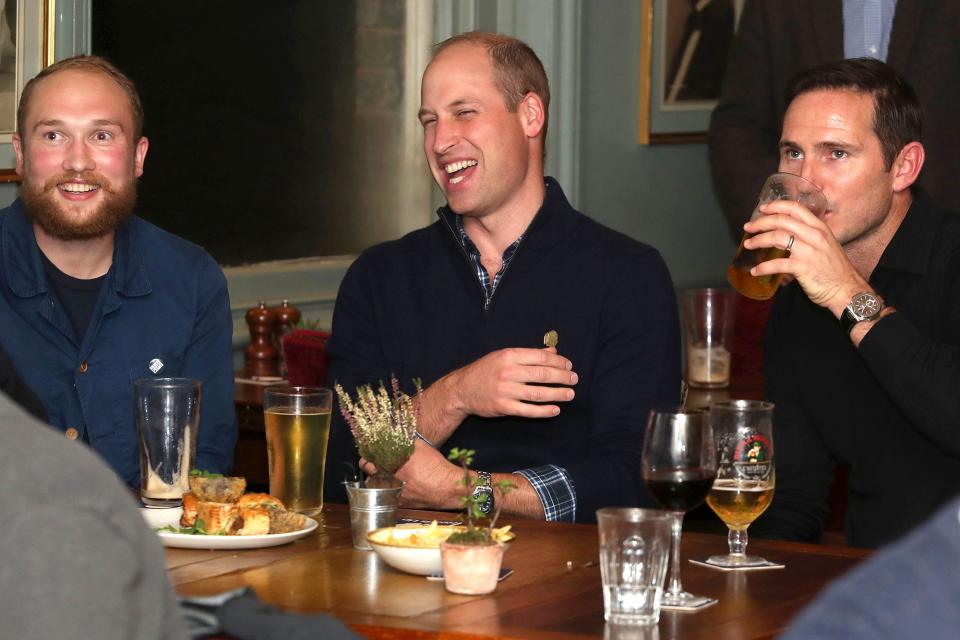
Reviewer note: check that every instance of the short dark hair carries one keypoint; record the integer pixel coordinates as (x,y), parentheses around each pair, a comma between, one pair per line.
(94,64)
(897,117)
(517,70)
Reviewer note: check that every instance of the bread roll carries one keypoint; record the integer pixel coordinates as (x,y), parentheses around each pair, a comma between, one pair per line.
(251,522)
(189,517)
(225,489)
(217,517)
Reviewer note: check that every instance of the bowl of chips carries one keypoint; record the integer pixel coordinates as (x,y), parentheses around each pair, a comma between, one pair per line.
(413,548)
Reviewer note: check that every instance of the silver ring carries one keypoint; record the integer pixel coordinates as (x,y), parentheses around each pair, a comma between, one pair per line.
(790,243)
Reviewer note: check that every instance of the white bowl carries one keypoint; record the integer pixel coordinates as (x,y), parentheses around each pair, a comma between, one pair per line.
(422,561)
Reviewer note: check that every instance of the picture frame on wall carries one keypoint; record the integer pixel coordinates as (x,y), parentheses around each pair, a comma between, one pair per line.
(683,53)
(26,47)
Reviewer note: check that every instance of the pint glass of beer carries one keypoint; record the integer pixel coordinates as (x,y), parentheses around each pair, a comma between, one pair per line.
(297,421)
(779,186)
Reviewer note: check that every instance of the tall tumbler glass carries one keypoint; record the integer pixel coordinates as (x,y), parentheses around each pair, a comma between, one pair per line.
(779,186)
(168,418)
(708,316)
(634,548)
(297,421)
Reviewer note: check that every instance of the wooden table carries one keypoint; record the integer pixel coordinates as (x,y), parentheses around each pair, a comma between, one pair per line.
(553,594)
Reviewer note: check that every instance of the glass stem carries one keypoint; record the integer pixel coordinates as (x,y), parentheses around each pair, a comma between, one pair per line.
(737,539)
(675,587)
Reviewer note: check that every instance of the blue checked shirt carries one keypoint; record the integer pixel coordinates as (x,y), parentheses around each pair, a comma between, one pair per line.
(553,485)
(866,28)
(474,255)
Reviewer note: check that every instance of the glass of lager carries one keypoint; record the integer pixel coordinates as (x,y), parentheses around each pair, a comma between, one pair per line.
(743,431)
(779,186)
(297,421)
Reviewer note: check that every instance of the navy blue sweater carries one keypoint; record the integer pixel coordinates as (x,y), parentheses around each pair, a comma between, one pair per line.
(415,307)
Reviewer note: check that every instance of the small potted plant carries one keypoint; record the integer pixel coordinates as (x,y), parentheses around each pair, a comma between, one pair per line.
(472,557)
(384,429)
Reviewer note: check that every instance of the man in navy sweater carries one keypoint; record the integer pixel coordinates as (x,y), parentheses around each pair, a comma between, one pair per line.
(464,305)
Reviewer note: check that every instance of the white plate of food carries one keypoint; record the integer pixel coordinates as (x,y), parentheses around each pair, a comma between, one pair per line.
(161,518)
(217,514)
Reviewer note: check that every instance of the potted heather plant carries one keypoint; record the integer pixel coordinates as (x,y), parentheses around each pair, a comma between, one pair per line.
(472,557)
(384,428)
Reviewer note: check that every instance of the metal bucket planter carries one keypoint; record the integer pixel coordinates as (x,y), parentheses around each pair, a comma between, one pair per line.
(371,509)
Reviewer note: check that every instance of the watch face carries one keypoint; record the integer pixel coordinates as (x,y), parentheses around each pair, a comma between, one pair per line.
(865,306)
(485,496)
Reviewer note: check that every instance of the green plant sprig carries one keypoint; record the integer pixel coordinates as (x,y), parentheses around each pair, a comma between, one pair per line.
(472,505)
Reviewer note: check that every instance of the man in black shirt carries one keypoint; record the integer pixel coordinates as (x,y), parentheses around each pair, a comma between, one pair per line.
(861,349)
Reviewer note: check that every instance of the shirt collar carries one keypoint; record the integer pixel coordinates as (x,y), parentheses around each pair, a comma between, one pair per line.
(24,266)
(552,223)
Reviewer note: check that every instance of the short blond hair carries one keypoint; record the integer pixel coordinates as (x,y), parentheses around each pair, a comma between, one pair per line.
(517,70)
(94,64)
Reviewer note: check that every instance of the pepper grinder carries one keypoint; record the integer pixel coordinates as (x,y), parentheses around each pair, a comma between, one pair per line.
(260,356)
(286,316)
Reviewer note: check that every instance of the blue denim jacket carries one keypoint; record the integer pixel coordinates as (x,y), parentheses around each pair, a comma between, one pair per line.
(164,298)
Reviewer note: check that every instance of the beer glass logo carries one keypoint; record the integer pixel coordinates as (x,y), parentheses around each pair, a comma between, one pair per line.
(752,457)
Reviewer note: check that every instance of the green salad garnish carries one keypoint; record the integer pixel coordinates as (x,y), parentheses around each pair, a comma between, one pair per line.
(196,530)
(199,473)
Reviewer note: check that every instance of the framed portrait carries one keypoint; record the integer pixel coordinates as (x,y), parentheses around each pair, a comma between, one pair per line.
(683,55)
(26,46)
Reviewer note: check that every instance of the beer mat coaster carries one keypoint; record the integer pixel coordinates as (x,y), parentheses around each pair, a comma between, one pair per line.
(753,567)
(442,523)
(263,381)
(696,606)
(504,574)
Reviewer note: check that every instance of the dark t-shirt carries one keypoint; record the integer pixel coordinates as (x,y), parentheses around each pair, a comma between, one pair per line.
(77,296)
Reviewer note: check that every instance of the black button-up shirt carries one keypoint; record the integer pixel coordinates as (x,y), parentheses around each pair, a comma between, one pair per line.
(890,410)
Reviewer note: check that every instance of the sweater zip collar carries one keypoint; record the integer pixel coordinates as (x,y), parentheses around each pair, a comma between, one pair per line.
(442,213)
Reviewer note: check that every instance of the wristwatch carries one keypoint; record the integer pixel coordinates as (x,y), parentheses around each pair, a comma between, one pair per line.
(864,307)
(483,492)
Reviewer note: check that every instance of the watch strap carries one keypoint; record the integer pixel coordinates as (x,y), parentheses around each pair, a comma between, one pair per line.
(847,320)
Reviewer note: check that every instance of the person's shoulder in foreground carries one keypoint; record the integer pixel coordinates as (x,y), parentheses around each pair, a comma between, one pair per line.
(910,589)
(79,561)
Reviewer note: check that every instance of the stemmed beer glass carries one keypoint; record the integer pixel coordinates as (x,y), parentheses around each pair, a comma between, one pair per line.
(745,474)
(679,464)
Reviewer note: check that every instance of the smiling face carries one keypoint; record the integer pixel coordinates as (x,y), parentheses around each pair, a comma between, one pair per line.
(829,139)
(484,158)
(78,159)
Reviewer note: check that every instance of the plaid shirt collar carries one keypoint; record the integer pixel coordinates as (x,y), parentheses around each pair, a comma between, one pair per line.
(473,254)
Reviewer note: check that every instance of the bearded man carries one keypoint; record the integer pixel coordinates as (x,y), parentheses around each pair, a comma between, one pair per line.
(92,297)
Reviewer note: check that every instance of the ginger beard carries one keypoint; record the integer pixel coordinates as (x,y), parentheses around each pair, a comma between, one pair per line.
(60,219)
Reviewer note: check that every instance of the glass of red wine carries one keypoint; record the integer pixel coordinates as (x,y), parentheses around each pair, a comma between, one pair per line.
(679,465)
